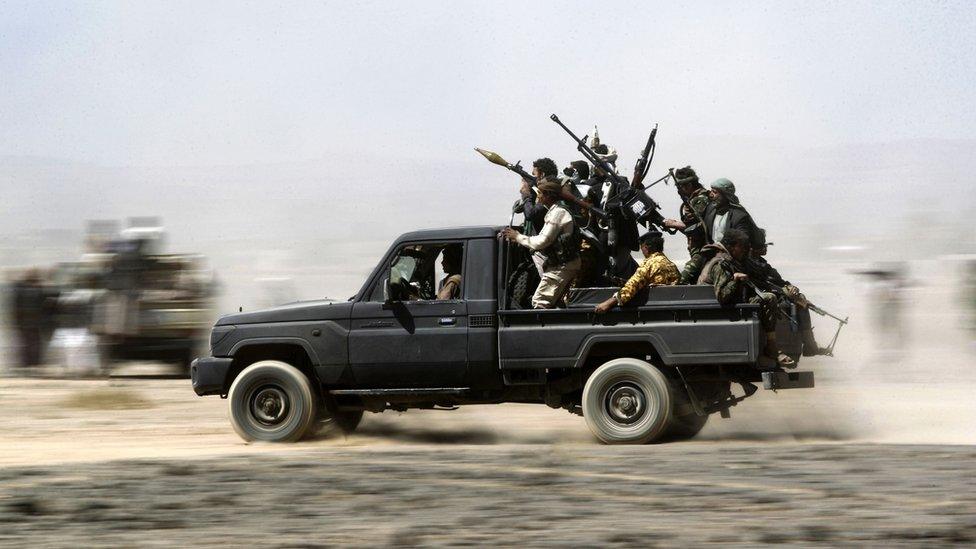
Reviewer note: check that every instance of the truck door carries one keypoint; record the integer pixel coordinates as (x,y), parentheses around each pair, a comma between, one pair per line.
(403,334)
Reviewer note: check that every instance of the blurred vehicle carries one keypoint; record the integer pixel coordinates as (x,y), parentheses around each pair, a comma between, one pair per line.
(164,317)
(129,301)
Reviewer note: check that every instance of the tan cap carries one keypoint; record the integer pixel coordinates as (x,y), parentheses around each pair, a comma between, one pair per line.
(551,186)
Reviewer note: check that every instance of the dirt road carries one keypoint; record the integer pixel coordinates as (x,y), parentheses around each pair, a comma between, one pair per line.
(145,462)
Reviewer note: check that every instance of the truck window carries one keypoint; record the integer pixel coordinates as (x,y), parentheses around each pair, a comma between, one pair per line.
(424,272)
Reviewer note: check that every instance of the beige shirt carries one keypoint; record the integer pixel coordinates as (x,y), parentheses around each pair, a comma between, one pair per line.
(557,221)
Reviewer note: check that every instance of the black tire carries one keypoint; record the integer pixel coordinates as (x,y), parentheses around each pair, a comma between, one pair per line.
(685,427)
(627,401)
(688,423)
(272,401)
(338,422)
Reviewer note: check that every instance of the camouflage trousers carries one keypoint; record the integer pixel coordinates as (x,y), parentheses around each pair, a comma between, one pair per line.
(767,309)
(693,267)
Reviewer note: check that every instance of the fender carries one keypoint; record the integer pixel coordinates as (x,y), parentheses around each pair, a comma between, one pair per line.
(655,340)
(278,340)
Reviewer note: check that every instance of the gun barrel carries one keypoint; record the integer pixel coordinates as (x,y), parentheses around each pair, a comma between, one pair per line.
(822,312)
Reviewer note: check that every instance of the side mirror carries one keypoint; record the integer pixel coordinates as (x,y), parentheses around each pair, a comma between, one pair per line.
(387,290)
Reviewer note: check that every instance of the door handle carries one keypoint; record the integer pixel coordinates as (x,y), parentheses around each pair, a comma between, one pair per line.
(447,321)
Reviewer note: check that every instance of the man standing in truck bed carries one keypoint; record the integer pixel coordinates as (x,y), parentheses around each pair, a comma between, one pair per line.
(694,201)
(557,241)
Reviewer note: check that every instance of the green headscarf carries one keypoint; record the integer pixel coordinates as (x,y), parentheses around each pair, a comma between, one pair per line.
(727,188)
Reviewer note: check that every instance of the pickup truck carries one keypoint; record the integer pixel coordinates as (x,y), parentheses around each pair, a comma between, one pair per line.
(651,371)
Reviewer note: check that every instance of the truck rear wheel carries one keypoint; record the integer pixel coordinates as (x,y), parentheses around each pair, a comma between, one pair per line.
(272,401)
(687,424)
(627,401)
(685,427)
(338,421)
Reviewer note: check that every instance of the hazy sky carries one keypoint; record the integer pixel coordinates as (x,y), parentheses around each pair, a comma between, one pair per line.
(224,83)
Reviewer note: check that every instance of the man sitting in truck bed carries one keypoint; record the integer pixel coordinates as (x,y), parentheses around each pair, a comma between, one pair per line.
(726,271)
(657,270)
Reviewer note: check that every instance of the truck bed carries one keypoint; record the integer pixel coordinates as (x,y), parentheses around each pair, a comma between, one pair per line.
(683,324)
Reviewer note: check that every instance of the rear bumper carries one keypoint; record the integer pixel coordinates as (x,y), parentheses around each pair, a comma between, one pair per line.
(787,380)
(209,375)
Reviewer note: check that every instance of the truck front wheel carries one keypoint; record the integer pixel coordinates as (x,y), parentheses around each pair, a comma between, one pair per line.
(627,401)
(272,401)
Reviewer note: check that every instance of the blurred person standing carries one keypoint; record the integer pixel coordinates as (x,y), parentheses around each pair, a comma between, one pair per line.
(32,317)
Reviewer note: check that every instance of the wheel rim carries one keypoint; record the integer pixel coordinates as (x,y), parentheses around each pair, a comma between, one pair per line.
(625,403)
(269,405)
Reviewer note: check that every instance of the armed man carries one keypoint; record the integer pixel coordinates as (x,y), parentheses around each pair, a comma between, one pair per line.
(694,201)
(542,169)
(727,272)
(656,270)
(578,174)
(768,279)
(722,213)
(558,244)
(619,234)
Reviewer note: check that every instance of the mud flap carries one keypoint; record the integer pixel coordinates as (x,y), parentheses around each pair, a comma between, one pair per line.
(787,380)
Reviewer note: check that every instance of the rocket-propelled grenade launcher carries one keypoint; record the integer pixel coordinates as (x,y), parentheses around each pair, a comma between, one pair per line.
(495,158)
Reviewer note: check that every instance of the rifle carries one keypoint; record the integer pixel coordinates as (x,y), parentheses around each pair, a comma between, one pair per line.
(644,162)
(564,194)
(801,301)
(634,202)
(779,311)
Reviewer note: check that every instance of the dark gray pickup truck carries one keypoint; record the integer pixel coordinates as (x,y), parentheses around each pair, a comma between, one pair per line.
(652,371)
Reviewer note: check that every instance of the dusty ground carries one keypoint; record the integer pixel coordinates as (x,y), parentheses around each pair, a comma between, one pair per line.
(145,462)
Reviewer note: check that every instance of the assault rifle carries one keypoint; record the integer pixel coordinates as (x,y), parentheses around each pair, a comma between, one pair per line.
(634,203)
(801,301)
(644,162)
(564,194)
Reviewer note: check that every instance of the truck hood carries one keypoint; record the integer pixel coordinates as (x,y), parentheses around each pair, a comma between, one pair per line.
(323,309)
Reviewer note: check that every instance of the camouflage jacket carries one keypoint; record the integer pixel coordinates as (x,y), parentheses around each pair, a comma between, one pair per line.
(692,212)
(714,253)
(656,269)
(718,273)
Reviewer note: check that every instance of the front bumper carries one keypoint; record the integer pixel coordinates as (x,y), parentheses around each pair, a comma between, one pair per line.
(209,375)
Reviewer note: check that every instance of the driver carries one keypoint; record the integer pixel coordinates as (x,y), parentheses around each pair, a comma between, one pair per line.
(450,286)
